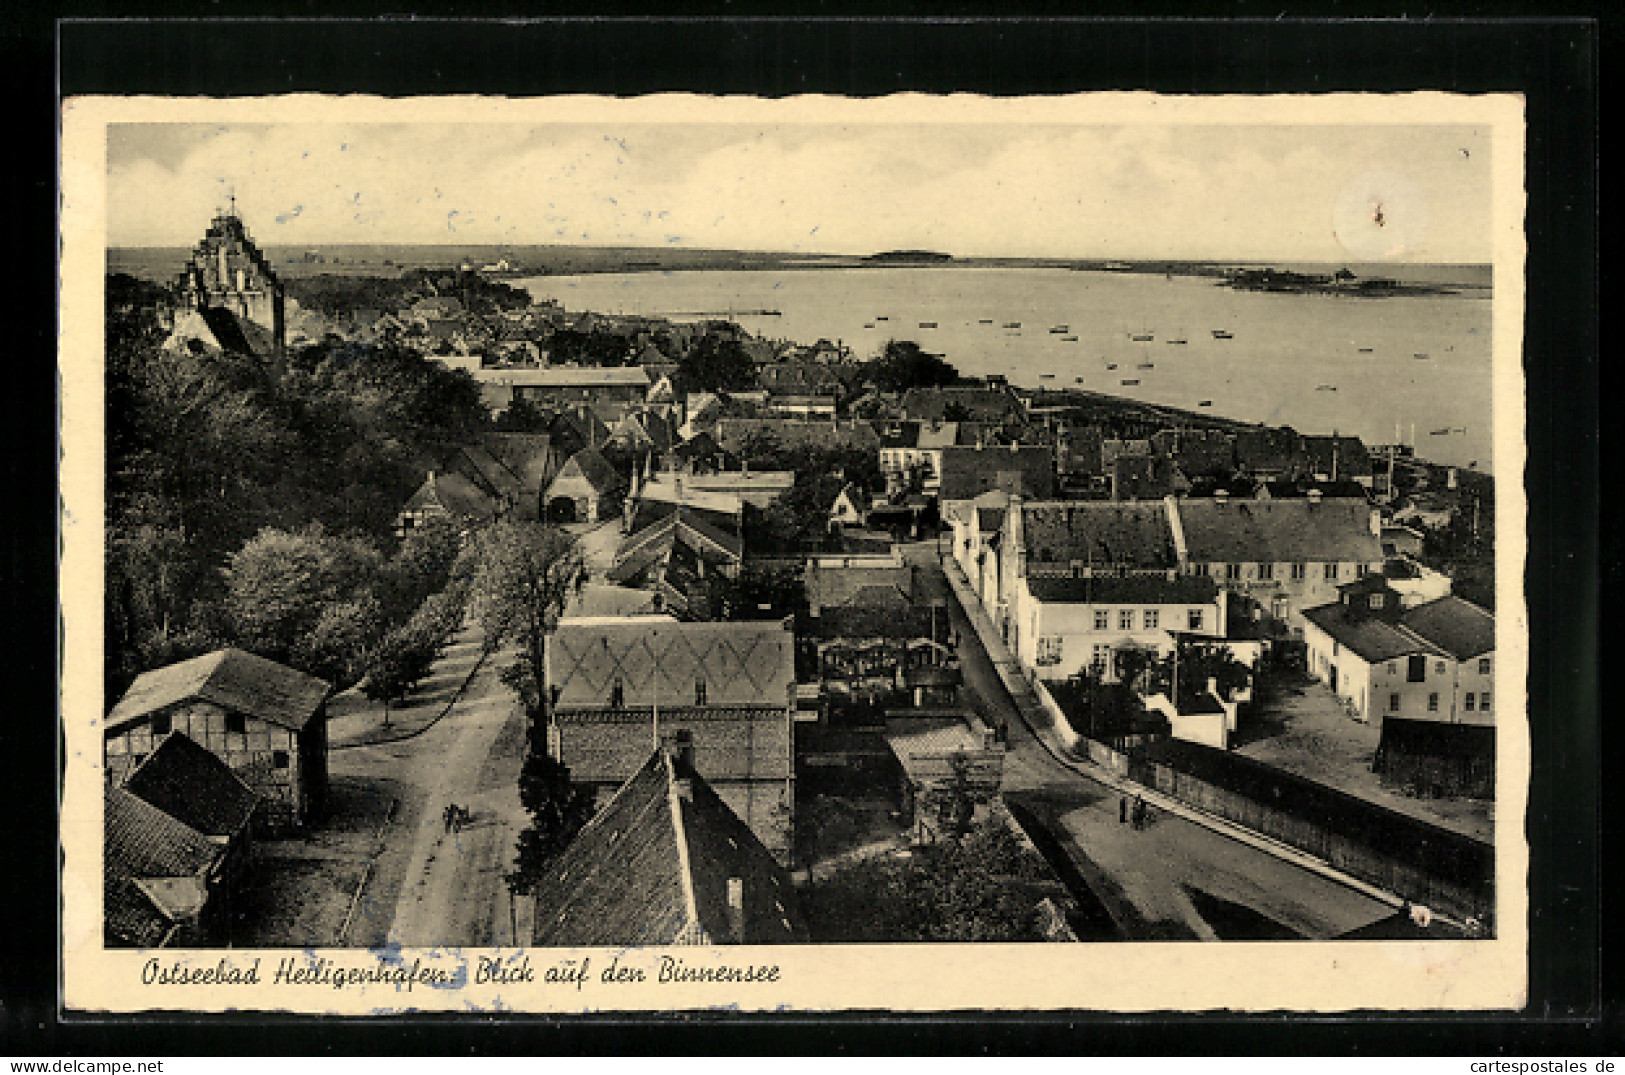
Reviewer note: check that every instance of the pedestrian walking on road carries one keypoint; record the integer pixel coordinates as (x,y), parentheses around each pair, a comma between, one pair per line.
(1122,810)
(1139,813)
(446,815)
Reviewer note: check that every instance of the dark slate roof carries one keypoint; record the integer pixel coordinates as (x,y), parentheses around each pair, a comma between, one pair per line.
(979,404)
(1127,590)
(130,916)
(1458,627)
(869,621)
(1134,535)
(238,681)
(656,658)
(189,783)
(1371,638)
(528,456)
(969,472)
(1337,529)
(455,494)
(590,465)
(653,868)
(228,330)
(143,841)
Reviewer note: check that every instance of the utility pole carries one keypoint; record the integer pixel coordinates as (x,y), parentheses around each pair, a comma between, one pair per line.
(654,685)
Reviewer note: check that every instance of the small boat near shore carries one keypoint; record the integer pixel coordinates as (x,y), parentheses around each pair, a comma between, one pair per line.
(1325,388)
(1130,381)
(984,321)
(1178,341)
(1205,403)
(1365,350)
(1142,337)
(928,324)
(1223,334)
(1058,330)
(1012,324)
(1422,355)
(1146,366)
(1069,339)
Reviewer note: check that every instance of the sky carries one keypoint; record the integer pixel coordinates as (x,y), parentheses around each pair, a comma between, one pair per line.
(1410,192)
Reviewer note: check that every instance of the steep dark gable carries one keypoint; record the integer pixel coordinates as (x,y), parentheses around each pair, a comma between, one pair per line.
(192,785)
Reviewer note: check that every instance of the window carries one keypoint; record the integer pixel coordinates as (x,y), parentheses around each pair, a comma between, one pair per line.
(1359,571)
(1330,571)
(1467,701)
(1337,648)
(1266,572)
(1298,572)
(1438,668)
(1199,569)
(1376,600)
(161,724)
(1393,668)
(1483,666)
(236,722)
(1100,656)
(617,694)
(1194,618)
(1232,571)
(1125,619)
(279,759)
(1102,619)
(1484,702)
(1433,702)
(1049,649)
(699,692)
(1393,703)
(1151,617)
(1416,670)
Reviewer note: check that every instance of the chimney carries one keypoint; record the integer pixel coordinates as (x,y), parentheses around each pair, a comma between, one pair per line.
(736,910)
(678,743)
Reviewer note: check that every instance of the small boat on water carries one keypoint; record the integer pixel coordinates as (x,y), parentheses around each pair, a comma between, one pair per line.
(928,324)
(870,324)
(1438,432)
(1365,350)
(1060,329)
(984,321)
(1146,366)
(882,317)
(1421,354)
(1142,337)
(1179,341)
(1223,334)
(1077,380)
(1012,324)
(1046,376)
(1131,381)
(1325,388)
(1205,403)
(1111,365)
(1069,339)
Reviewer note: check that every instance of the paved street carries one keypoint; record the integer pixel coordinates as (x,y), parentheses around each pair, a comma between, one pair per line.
(431,888)
(1174,879)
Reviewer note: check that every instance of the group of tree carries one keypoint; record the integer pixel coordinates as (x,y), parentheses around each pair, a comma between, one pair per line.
(956,890)
(904,364)
(206,451)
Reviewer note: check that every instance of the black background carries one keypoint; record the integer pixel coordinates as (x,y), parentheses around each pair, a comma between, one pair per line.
(1574,1004)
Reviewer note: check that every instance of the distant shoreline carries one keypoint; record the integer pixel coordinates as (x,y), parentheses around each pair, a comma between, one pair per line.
(162,264)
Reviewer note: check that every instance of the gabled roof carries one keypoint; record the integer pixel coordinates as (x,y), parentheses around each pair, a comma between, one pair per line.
(230,678)
(590,465)
(1334,530)
(1028,469)
(1370,638)
(1458,627)
(143,841)
(456,495)
(653,867)
(979,404)
(568,377)
(1098,533)
(660,526)
(1125,590)
(191,784)
(742,663)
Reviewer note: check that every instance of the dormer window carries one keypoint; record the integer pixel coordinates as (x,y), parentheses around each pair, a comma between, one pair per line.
(617,694)
(1376,600)
(699,692)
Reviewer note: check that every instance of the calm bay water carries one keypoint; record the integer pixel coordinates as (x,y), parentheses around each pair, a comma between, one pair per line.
(1295,360)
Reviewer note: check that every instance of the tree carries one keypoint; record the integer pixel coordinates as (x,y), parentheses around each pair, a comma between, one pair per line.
(396,664)
(279,584)
(558,809)
(718,364)
(522,575)
(1198,663)
(337,648)
(903,365)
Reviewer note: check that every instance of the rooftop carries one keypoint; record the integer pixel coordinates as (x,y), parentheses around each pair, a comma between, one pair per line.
(1126,590)
(1333,530)
(1458,627)
(655,866)
(1099,533)
(750,663)
(230,678)
(189,783)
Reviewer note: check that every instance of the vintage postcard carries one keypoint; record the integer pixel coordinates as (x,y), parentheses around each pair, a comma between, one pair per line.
(910,554)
